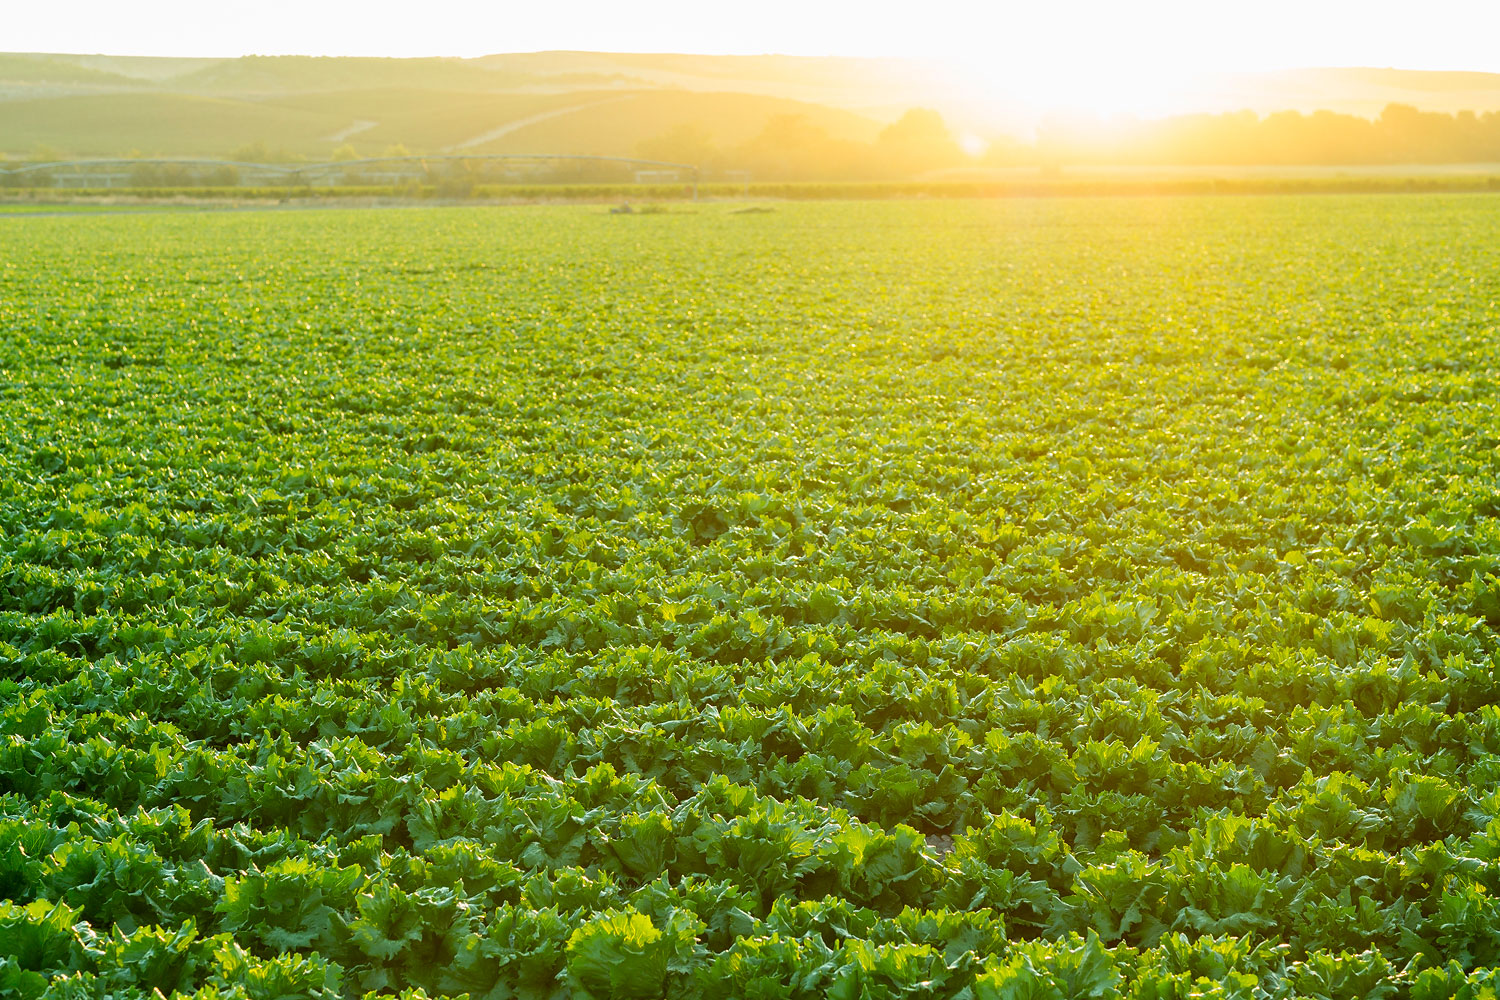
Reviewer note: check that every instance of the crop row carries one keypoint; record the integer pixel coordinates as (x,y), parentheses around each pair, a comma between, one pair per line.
(967,600)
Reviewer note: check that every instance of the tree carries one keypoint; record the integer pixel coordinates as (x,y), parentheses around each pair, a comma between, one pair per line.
(685,142)
(918,142)
(793,148)
(255,152)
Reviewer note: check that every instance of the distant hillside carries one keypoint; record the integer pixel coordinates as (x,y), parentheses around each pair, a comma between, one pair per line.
(1365,92)
(309,106)
(371,122)
(23,68)
(853,84)
(877,88)
(300,74)
(153,68)
(424,121)
(589,102)
(153,123)
(1411,80)
(625,123)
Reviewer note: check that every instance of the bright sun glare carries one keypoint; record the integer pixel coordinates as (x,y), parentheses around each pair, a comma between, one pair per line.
(1096,89)
(1111,63)
(1092,58)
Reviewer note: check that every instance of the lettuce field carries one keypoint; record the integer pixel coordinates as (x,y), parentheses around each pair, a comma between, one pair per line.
(1032,600)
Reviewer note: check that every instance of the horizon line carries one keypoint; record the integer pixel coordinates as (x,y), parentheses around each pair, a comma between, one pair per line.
(1300,67)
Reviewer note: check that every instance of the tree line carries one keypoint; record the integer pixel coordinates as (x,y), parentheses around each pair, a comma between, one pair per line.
(790,147)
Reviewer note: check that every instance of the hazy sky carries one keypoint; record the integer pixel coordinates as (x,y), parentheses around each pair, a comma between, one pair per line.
(1005,36)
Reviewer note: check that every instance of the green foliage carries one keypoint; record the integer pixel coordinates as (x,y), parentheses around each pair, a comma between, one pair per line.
(623,955)
(42,938)
(154,958)
(294,903)
(1035,599)
(277,978)
(1070,970)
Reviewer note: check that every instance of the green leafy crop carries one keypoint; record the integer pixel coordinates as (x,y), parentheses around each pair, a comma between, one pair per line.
(1024,599)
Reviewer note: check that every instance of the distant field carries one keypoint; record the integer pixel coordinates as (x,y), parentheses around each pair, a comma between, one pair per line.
(423,121)
(724,120)
(1028,184)
(12,208)
(1072,598)
(156,123)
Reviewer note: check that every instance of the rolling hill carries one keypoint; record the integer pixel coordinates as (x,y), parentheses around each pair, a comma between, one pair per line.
(573,102)
(151,123)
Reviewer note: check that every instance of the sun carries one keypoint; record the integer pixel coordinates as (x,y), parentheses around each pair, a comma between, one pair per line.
(1089,88)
